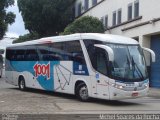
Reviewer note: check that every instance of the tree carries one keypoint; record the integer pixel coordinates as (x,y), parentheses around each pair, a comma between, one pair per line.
(5,18)
(46,17)
(86,24)
(26,37)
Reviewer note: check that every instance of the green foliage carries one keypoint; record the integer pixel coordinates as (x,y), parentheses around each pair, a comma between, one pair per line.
(27,37)
(10,18)
(5,18)
(46,17)
(86,24)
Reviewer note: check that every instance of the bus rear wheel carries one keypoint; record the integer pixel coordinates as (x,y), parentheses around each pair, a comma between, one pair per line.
(22,85)
(82,92)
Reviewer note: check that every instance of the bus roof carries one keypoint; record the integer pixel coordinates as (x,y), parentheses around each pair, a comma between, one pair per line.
(78,36)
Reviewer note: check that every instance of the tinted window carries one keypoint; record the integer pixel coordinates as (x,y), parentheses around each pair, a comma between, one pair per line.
(63,51)
(23,53)
(48,53)
(31,55)
(60,51)
(74,50)
(91,50)
(101,61)
(97,56)
(11,54)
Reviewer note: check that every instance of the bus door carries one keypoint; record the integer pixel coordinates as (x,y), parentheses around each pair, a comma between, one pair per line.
(99,80)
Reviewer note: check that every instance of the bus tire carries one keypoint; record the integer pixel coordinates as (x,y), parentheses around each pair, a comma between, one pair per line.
(82,92)
(21,84)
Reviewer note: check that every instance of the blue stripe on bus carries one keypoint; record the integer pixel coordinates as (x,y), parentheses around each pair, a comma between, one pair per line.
(22,66)
(45,82)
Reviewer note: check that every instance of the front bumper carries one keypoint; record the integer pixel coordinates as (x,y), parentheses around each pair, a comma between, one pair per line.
(118,94)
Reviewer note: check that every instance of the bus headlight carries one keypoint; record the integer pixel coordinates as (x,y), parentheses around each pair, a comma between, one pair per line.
(118,86)
(146,85)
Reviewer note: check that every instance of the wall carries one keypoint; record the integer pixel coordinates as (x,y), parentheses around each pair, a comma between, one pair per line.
(141,28)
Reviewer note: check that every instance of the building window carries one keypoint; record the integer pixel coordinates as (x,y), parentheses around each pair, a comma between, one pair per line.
(94,2)
(114,18)
(136,8)
(86,6)
(102,20)
(130,11)
(119,16)
(106,21)
(79,9)
(73,12)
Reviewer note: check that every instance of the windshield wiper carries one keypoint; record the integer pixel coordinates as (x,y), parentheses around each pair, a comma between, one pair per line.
(138,70)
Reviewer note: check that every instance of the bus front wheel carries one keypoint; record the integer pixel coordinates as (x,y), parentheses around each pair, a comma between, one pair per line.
(22,85)
(82,92)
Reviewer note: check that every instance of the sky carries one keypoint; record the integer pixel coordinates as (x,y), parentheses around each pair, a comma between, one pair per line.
(14,30)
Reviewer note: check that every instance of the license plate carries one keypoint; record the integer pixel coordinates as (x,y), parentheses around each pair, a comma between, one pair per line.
(129,85)
(134,94)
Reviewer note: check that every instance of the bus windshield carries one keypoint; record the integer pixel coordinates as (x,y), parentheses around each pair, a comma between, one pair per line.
(129,62)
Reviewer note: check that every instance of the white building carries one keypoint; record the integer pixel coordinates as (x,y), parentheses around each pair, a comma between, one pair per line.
(138,19)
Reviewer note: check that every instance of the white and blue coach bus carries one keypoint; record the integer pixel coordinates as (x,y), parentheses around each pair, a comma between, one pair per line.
(87,65)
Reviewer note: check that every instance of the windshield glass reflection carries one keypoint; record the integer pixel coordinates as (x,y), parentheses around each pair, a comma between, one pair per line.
(129,62)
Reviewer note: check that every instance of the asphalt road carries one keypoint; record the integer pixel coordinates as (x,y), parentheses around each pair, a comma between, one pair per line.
(14,101)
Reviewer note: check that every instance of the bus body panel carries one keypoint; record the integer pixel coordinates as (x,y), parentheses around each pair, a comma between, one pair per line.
(124,90)
(62,75)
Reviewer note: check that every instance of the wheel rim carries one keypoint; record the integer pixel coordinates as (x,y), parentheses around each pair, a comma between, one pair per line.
(83,92)
(22,84)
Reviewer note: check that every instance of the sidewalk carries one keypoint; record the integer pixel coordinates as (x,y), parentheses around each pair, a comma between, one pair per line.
(154,92)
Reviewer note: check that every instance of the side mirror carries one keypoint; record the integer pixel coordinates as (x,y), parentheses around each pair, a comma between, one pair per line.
(153,56)
(108,49)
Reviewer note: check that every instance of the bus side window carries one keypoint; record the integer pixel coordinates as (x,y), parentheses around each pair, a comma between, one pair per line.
(75,52)
(98,56)
(9,54)
(101,61)
(49,53)
(78,57)
(31,55)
